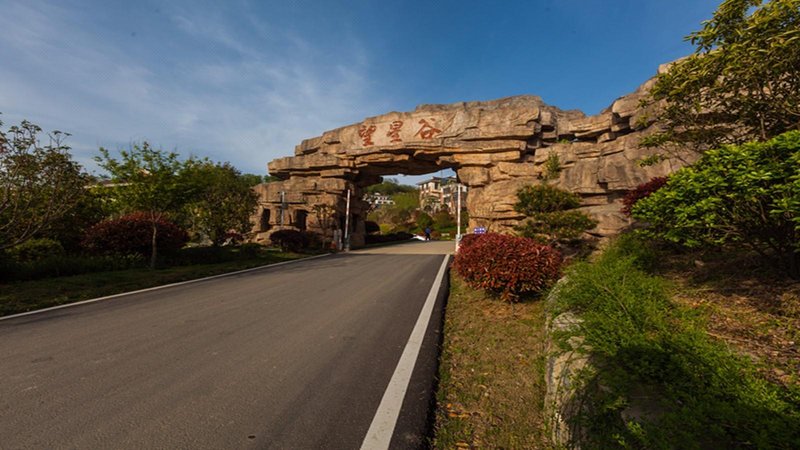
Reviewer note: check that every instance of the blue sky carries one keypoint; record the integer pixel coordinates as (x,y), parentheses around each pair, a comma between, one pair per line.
(245,81)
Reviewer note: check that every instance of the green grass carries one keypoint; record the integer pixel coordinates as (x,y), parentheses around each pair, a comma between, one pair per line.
(25,296)
(491,377)
(660,381)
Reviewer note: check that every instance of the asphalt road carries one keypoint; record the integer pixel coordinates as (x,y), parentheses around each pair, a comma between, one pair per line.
(294,357)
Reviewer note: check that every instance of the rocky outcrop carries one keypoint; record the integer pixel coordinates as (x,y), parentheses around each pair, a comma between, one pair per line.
(495,147)
(565,364)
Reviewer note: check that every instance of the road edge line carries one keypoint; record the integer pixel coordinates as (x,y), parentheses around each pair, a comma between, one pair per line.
(155,288)
(382,428)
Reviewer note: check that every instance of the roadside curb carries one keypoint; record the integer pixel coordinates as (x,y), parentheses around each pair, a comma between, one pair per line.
(163,286)
(436,333)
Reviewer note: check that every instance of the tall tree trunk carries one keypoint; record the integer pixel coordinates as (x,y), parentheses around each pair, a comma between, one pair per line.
(153,254)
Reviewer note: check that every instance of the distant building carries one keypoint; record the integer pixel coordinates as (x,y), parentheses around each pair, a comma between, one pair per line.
(440,193)
(376,200)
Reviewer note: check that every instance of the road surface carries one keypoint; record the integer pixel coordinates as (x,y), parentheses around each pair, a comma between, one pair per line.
(297,356)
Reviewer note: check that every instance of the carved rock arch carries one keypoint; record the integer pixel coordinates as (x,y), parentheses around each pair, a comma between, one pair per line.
(495,147)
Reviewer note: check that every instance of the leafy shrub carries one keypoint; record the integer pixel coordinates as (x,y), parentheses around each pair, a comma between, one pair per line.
(549,219)
(641,191)
(65,265)
(507,265)
(444,219)
(250,250)
(542,198)
(290,240)
(424,220)
(747,194)
(552,166)
(556,226)
(132,234)
(641,342)
(35,249)
(371,226)
(69,231)
(468,239)
(313,241)
(643,252)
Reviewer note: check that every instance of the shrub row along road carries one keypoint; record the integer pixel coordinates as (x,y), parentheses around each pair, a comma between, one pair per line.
(296,356)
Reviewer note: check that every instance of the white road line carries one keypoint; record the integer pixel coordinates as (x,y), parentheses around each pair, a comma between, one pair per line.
(380,432)
(155,288)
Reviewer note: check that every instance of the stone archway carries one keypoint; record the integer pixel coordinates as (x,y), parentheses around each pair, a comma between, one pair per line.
(495,147)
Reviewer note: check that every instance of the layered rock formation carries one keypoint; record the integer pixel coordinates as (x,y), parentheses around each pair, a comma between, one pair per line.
(495,147)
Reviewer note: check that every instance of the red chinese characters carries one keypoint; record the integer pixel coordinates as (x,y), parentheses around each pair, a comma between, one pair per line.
(427,131)
(365,132)
(394,131)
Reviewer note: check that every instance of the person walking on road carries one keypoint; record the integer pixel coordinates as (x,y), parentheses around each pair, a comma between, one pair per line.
(427,233)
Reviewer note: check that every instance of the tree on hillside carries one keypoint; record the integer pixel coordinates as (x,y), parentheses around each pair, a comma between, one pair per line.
(424,220)
(147,180)
(742,83)
(38,184)
(389,187)
(443,219)
(223,200)
(406,200)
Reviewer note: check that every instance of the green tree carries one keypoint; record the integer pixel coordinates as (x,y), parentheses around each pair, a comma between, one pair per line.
(424,220)
(552,166)
(406,200)
(389,187)
(747,194)
(398,216)
(222,199)
(147,180)
(443,219)
(71,228)
(543,198)
(742,83)
(39,184)
(551,215)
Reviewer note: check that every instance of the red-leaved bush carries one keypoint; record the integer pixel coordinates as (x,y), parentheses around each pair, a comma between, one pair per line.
(507,265)
(132,234)
(641,191)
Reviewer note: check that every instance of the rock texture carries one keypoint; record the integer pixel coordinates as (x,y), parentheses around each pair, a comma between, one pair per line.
(562,401)
(495,147)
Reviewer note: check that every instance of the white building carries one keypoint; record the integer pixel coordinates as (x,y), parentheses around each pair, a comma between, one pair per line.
(441,192)
(376,200)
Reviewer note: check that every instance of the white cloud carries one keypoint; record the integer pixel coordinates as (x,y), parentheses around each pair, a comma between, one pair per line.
(250,102)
